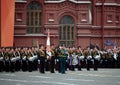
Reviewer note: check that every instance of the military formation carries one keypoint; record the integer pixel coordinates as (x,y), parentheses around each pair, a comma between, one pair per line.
(61,59)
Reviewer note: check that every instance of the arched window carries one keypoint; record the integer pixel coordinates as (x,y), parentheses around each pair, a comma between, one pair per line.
(66,32)
(34,17)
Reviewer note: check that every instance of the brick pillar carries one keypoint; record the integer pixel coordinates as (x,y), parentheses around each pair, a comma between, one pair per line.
(7,22)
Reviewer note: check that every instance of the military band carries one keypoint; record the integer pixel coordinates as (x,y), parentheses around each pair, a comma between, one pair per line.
(61,59)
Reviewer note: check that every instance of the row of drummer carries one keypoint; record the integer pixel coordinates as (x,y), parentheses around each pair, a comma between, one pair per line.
(60,58)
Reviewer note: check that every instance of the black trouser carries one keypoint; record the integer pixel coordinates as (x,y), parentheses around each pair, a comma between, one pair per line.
(12,66)
(79,64)
(118,63)
(1,65)
(30,66)
(103,63)
(109,63)
(57,66)
(42,65)
(88,62)
(47,65)
(17,65)
(7,68)
(25,64)
(35,64)
(95,64)
(52,65)
(72,67)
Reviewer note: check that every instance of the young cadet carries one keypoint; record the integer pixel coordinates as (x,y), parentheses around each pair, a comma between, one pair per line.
(96,57)
(1,60)
(80,57)
(41,57)
(88,58)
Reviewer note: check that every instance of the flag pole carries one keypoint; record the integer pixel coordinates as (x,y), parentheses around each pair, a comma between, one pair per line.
(48,50)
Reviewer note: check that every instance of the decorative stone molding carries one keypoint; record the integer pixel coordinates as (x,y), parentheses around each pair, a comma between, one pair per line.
(74,1)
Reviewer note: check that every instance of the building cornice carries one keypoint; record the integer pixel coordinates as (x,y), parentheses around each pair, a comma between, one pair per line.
(30,35)
(74,1)
(86,35)
(51,26)
(80,2)
(97,27)
(20,25)
(108,4)
(55,1)
(21,1)
(36,35)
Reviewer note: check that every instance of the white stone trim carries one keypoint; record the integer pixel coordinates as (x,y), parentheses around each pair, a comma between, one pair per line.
(83,20)
(20,25)
(117,22)
(118,4)
(108,4)
(55,1)
(106,26)
(40,35)
(109,21)
(90,35)
(51,20)
(74,1)
(29,35)
(19,20)
(21,1)
(81,2)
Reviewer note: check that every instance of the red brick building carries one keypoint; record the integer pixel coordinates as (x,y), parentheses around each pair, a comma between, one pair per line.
(71,22)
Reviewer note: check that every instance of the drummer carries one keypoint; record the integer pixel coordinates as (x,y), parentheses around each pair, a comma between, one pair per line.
(80,57)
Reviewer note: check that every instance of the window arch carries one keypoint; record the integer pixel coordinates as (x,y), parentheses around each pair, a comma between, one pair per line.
(34,17)
(67,20)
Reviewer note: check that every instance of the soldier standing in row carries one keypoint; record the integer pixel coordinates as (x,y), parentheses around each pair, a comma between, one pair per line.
(88,57)
(17,63)
(96,57)
(22,59)
(12,60)
(29,61)
(118,58)
(1,60)
(103,60)
(80,57)
(109,58)
(70,52)
(41,57)
(35,61)
(6,58)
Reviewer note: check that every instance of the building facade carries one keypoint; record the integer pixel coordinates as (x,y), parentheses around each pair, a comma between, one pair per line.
(71,22)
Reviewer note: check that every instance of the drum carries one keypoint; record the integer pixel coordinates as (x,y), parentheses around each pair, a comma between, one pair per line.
(89,57)
(14,59)
(81,57)
(75,60)
(1,58)
(97,57)
(33,58)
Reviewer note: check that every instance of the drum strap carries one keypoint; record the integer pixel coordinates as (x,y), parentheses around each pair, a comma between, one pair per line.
(70,60)
(79,63)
